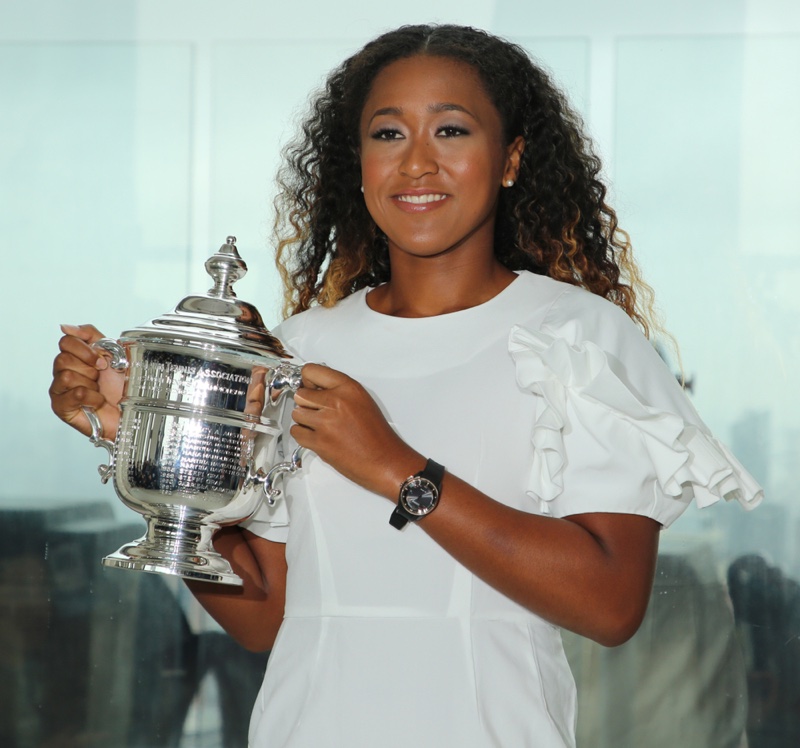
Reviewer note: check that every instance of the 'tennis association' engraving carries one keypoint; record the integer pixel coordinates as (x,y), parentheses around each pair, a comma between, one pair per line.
(180,452)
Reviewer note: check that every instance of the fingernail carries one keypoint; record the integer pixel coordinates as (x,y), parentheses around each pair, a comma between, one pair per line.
(101,363)
(70,329)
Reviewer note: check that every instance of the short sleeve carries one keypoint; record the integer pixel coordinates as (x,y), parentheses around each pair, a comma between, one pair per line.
(614,431)
(269,522)
(272,522)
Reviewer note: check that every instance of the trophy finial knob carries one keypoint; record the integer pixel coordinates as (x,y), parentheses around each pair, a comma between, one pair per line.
(225,267)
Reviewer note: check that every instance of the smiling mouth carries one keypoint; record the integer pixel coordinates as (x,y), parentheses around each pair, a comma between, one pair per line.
(421,199)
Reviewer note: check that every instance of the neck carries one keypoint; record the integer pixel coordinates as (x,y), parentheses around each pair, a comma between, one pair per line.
(430,286)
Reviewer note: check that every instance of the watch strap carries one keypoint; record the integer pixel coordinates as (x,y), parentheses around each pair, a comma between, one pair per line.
(433,472)
(398,520)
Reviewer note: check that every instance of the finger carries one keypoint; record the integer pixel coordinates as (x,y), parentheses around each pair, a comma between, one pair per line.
(308,417)
(256,397)
(68,362)
(257,388)
(74,399)
(67,380)
(69,407)
(82,350)
(317,376)
(304,436)
(310,398)
(88,333)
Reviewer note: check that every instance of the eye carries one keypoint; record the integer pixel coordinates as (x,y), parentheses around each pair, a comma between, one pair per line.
(386,133)
(452,131)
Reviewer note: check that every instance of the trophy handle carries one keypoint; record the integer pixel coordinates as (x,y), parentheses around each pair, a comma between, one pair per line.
(267,480)
(285,377)
(119,361)
(97,439)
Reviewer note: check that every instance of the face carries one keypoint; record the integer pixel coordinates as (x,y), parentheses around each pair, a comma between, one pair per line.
(433,160)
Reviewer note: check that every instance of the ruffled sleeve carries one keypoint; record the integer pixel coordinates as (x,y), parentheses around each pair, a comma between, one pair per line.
(615,433)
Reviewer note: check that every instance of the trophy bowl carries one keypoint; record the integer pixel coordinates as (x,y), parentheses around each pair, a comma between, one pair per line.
(200,435)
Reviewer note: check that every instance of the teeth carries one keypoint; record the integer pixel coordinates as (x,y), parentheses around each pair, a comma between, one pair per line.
(419,199)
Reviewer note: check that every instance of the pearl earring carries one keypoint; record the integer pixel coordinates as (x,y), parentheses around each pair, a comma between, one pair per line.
(509,183)
(362,188)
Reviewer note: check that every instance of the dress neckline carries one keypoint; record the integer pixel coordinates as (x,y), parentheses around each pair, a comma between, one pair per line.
(497,299)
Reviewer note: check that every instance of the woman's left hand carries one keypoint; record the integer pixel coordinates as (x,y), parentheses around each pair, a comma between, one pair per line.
(336,418)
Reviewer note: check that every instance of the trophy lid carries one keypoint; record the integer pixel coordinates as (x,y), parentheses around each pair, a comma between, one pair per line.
(216,318)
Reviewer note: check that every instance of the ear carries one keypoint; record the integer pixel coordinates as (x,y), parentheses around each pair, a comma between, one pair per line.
(513,158)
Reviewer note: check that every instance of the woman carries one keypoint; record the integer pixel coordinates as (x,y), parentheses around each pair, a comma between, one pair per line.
(449,254)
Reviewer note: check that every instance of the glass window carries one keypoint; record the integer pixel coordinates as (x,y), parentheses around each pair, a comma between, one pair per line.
(132,145)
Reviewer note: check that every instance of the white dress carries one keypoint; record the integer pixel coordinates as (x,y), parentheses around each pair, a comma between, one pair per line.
(546,398)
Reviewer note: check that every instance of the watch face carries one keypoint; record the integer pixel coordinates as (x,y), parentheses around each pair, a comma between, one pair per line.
(419,496)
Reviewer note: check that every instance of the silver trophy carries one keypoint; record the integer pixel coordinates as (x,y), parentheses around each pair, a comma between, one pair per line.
(198,441)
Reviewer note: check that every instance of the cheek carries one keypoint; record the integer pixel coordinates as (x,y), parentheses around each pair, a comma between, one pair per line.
(371,179)
(481,175)
(481,161)
(376,173)
(373,166)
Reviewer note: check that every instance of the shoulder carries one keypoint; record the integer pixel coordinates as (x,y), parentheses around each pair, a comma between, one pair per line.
(575,314)
(586,321)
(580,316)
(295,331)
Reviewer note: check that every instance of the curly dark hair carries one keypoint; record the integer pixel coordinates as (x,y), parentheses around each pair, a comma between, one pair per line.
(555,221)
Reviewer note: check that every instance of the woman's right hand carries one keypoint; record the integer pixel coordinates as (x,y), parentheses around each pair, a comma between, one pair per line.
(82,377)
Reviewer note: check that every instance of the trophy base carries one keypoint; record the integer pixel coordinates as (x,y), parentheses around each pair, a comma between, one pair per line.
(174,547)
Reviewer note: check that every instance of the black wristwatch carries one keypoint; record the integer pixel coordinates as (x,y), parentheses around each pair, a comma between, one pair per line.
(419,495)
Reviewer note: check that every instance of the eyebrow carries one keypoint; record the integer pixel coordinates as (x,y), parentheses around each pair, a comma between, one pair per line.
(438,108)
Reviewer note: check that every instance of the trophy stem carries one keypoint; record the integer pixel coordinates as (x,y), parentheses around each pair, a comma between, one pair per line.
(179,546)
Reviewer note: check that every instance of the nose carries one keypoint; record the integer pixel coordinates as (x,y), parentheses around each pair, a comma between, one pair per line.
(419,158)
